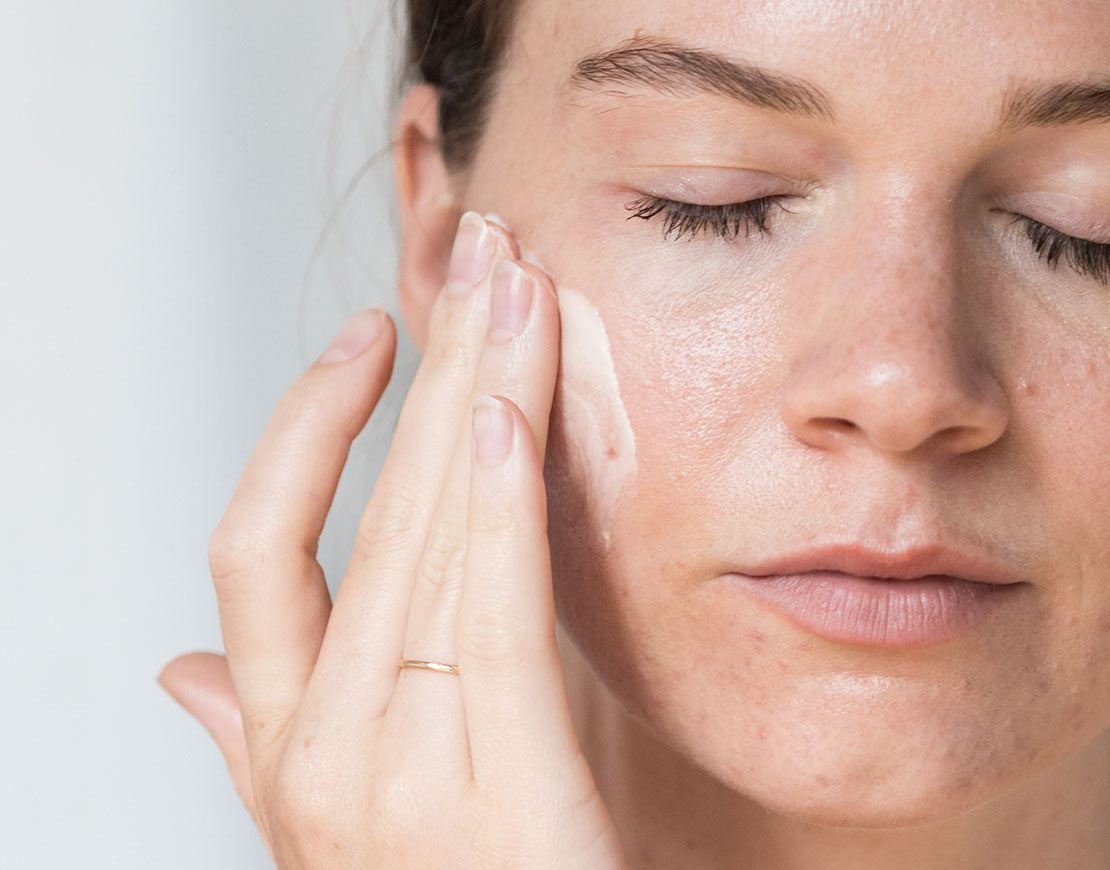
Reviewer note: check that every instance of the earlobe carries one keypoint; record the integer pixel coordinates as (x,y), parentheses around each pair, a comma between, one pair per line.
(429,211)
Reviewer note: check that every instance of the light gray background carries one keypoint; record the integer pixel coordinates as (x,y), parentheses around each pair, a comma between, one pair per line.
(166,172)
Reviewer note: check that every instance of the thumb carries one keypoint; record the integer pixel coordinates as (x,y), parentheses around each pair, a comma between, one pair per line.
(201,683)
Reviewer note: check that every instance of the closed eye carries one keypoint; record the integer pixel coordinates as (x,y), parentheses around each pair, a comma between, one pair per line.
(690,219)
(722,221)
(1085,257)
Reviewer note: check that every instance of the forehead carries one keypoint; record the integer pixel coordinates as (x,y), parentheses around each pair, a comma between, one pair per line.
(902,52)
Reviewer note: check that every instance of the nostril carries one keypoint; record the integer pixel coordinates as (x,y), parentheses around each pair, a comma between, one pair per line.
(835,424)
(825,431)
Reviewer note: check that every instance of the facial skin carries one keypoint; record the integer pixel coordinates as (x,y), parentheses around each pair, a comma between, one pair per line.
(893,365)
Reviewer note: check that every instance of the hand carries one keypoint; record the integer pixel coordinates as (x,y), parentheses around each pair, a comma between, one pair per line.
(343,758)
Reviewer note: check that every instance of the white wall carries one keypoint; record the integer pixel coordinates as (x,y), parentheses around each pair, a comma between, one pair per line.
(163,182)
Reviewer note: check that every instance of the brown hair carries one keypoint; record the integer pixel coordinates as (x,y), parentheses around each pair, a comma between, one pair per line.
(458,46)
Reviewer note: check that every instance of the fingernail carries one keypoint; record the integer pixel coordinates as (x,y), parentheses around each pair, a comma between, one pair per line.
(494,218)
(471,253)
(354,337)
(510,299)
(493,430)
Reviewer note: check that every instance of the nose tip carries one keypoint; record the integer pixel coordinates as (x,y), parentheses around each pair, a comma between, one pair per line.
(896,406)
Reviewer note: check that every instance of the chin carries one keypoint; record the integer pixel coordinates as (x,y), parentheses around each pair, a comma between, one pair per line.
(908,756)
(846,805)
(902,771)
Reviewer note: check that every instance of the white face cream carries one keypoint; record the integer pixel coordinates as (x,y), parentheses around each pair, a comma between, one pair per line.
(603,449)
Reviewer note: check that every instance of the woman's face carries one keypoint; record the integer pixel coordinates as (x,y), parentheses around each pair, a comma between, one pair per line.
(893,365)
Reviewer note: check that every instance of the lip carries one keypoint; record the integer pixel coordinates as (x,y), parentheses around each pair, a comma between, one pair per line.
(910,598)
(899,565)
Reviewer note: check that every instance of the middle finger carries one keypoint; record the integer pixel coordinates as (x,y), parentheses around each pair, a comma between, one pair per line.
(522,367)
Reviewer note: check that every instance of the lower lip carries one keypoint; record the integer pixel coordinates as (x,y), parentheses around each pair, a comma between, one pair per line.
(877,612)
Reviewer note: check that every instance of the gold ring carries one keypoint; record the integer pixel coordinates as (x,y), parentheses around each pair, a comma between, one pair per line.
(430,666)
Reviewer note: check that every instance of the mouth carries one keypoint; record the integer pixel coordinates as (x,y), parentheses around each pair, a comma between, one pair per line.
(852,595)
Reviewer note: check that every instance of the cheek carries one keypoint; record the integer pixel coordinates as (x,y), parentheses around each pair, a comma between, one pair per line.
(636,450)
(700,377)
(1062,413)
(651,421)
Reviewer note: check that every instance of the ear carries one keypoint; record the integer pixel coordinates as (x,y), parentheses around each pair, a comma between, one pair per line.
(429,213)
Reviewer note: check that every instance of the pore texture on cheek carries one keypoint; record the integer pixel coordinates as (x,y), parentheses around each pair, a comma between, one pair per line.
(601,448)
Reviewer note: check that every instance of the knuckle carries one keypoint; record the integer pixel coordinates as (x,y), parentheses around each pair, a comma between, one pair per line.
(498,522)
(444,554)
(446,355)
(306,408)
(314,409)
(396,809)
(234,553)
(388,525)
(495,634)
(303,805)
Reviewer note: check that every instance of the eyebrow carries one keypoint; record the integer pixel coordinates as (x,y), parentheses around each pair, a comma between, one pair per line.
(1056,105)
(678,70)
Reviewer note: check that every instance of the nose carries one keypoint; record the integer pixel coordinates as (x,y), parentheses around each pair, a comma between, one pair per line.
(894,355)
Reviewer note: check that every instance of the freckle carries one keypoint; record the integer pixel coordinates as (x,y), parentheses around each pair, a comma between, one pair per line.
(611,452)
(308,742)
(259,726)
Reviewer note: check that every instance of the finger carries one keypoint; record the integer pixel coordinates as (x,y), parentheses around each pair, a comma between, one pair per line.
(520,358)
(520,361)
(517,713)
(272,596)
(201,683)
(363,645)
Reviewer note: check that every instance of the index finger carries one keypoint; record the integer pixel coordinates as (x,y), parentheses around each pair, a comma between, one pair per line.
(273,599)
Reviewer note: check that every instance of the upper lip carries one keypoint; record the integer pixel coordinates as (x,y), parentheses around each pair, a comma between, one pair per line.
(907,564)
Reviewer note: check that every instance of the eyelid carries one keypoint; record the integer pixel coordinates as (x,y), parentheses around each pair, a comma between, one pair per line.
(1082,218)
(1048,224)
(712,185)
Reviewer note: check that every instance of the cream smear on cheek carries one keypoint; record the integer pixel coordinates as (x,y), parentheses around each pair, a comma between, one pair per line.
(603,449)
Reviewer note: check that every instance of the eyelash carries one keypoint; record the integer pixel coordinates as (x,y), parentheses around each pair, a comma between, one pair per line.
(691,218)
(1085,257)
(726,222)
